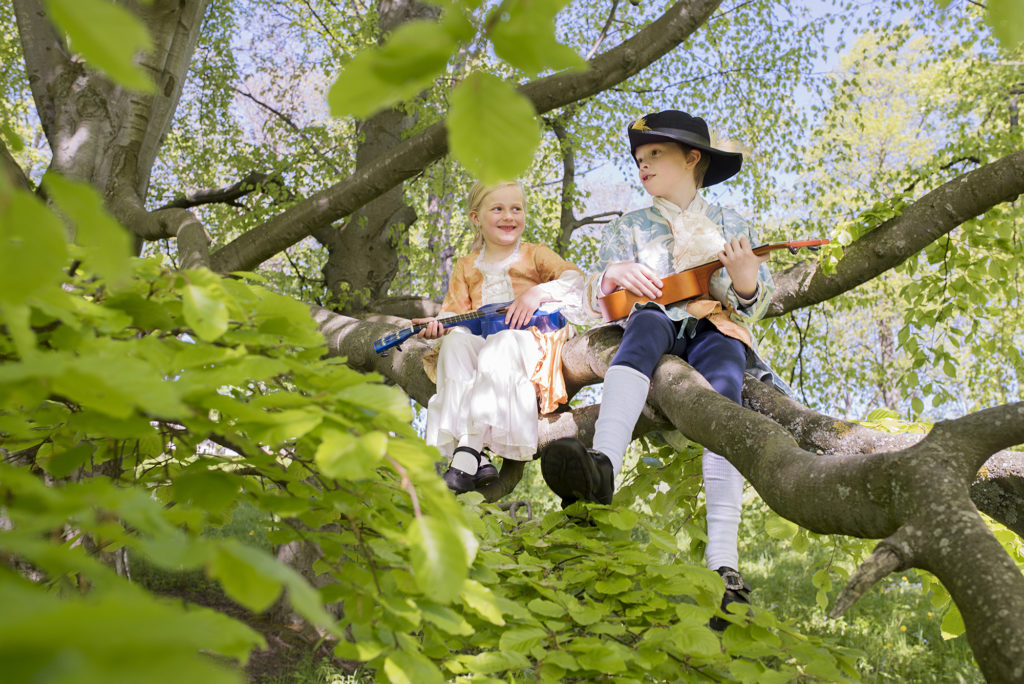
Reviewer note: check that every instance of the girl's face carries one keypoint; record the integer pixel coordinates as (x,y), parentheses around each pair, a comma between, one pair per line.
(501,216)
(665,169)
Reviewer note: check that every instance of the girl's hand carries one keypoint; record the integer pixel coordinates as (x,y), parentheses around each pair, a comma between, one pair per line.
(631,276)
(522,309)
(433,329)
(742,264)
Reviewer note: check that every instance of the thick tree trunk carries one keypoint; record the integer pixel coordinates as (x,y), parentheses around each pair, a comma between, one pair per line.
(100,133)
(375,230)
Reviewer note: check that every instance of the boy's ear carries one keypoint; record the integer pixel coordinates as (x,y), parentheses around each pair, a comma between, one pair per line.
(693,156)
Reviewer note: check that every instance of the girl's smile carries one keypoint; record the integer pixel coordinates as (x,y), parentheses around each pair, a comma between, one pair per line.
(501,219)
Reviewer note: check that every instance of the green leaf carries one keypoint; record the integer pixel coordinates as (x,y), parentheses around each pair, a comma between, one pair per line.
(446,619)
(107,244)
(66,462)
(614,585)
(242,579)
(492,129)
(1004,16)
(338,456)
(780,528)
(205,311)
(482,600)
(14,141)
(493,661)
(624,519)
(403,667)
(525,37)
(119,636)
(952,623)
(546,608)
(600,657)
(407,63)
(211,490)
(521,640)
(282,426)
(16,318)
(438,558)
(32,247)
(108,36)
(801,542)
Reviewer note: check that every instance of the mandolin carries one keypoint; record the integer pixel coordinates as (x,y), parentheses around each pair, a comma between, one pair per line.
(693,282)
(486,320)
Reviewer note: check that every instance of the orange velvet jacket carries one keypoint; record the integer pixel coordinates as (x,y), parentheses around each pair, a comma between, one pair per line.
(536,264)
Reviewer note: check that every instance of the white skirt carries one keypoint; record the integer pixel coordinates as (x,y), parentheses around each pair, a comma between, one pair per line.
(484,388)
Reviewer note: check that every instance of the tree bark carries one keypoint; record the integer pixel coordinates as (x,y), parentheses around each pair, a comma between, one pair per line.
(100,133)
(373,231)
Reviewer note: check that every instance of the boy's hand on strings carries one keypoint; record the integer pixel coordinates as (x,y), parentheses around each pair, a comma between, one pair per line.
(629,275)
(522,309)
(432,330)
(742,264)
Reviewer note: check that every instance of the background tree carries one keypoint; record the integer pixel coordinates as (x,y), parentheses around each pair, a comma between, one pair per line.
(134,384)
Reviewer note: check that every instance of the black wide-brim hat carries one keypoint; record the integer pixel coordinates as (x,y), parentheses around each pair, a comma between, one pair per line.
(692,131)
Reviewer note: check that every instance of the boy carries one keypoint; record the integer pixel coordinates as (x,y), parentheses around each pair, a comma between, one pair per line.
(674,157)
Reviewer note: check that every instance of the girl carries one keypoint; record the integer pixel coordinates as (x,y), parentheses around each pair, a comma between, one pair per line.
(488,389)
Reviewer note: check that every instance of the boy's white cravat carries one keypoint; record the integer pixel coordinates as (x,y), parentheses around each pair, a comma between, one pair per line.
(696,238)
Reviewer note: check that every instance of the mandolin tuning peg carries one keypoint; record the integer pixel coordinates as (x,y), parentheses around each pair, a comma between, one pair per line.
(793,250)
(815,248)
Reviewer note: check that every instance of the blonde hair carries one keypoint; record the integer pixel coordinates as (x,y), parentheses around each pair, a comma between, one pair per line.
(475,199)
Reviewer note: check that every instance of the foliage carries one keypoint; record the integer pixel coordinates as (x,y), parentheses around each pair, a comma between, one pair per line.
(938,335)
(142,406)
(139,412)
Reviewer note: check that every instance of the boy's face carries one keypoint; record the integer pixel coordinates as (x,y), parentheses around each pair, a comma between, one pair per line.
(665,169)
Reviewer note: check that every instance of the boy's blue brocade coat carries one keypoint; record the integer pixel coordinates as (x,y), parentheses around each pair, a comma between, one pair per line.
(644,236)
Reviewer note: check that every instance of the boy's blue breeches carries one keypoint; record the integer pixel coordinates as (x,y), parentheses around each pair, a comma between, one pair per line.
(650,334)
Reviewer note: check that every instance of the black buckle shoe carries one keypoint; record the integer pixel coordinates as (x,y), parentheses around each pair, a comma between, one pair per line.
(459,481)
(574,472)
(485,475)
(736,591)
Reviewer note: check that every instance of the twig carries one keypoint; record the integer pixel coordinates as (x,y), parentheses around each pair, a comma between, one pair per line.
(407,486)
(227,195)
(294,126)
(604,31)
(886,559)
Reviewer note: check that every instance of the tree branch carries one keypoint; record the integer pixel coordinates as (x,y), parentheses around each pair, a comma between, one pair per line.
(226,195)
(46,57)
(881,563)
(896,240)
(566,220)
(12,170)
(412,155)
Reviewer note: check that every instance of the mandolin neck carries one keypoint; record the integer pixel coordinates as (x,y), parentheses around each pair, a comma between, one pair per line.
(452,320)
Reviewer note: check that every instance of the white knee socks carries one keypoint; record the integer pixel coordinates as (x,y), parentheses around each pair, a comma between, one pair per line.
(723,494)
(465,461)
(625,393)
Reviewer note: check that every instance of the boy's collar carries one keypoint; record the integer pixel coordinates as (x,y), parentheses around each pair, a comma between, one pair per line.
(698,204)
